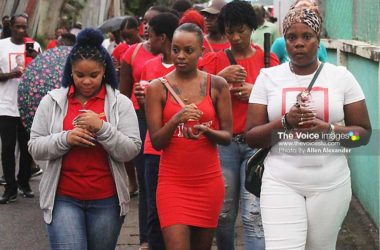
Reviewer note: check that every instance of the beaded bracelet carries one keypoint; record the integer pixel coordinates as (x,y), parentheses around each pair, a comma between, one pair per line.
(284,123)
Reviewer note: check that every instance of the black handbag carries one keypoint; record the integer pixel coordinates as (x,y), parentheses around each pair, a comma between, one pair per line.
(254,171)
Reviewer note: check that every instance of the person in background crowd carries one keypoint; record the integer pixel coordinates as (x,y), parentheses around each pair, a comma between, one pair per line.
(161,30)
(236,20)
(109,42)
(263,27)
(181,6)
(76,28)
(130,73)
(66,39)
(214,41)
(269,16)
(6,31)
(190,185)
(305,196)
(117,40)
(278,46)
(129,33)
(58,33)
(11,128)
(193,16)
(85,199)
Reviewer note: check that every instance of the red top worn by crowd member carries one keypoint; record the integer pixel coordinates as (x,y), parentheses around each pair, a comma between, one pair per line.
(154,68)
(190,187)
(139,60)
(213,63)
(214,47)
(52,44)
(119,51)
(86,174)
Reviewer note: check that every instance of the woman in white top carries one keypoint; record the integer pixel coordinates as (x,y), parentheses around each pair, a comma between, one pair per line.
(306,187)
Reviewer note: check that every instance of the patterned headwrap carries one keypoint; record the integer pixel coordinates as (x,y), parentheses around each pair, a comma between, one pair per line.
(309,3)
(310,17)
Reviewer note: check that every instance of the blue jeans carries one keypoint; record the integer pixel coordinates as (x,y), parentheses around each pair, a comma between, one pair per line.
(140,169)
(233,159)
(77,224)
(155,238)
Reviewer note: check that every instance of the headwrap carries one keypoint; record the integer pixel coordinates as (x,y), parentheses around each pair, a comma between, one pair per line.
(312,3)
(310,17)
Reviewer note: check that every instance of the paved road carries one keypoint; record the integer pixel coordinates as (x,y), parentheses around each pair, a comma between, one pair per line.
(22,227)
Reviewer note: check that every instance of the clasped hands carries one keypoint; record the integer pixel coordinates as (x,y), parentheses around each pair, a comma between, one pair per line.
(235,75)
(189,115)
(302,118)
(86,124)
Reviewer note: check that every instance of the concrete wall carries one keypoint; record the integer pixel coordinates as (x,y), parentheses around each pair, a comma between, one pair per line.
(362,60)
(358,22)
(352,19)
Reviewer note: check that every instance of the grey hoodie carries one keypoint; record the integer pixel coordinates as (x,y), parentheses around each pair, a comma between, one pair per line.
(119,136)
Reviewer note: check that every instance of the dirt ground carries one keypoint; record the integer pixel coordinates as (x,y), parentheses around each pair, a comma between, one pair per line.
(358,231)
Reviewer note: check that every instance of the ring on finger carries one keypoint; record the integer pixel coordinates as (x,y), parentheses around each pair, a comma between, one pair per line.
(239,93)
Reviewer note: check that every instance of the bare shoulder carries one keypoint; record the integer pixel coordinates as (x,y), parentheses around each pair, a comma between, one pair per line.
(218,83)
(156,85)
(156,89)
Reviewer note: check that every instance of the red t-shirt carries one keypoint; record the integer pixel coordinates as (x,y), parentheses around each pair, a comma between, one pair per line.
(85,173)
(52,44)
(153,69)
(215,46)
(141,57)
(119,51)
(215,62)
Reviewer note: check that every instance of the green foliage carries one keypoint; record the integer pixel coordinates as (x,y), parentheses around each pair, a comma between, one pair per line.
(42,40)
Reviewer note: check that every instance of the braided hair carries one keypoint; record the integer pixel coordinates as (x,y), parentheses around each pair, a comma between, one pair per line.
(237,13)
(88,46)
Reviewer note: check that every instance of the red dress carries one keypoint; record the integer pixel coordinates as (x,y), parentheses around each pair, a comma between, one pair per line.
(190,184)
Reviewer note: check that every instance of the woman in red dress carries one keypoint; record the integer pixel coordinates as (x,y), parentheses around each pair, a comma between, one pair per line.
(190,185)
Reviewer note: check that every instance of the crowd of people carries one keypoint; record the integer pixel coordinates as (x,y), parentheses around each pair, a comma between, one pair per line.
(171,113)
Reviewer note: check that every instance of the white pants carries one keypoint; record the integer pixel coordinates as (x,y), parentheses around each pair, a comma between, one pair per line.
(296,219)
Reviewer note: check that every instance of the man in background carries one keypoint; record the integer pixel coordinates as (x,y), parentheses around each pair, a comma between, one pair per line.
(263,26)
(11,128)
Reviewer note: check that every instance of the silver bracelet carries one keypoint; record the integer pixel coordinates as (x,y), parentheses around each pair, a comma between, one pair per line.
(284,123)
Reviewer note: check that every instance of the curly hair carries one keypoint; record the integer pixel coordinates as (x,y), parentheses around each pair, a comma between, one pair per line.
(237,13)
(88,46)
(164,23)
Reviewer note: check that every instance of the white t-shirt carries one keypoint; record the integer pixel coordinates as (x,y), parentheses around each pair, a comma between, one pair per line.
(277,88)
(11,57)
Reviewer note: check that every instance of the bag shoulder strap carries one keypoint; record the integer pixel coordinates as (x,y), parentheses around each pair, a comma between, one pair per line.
(209,44)
(230,56)
(172,92)
(315,77)
(135,52)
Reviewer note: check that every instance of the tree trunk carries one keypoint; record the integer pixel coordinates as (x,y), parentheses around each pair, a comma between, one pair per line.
(49,17)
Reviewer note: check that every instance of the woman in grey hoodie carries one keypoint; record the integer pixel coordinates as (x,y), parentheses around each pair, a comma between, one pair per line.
(82,134)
